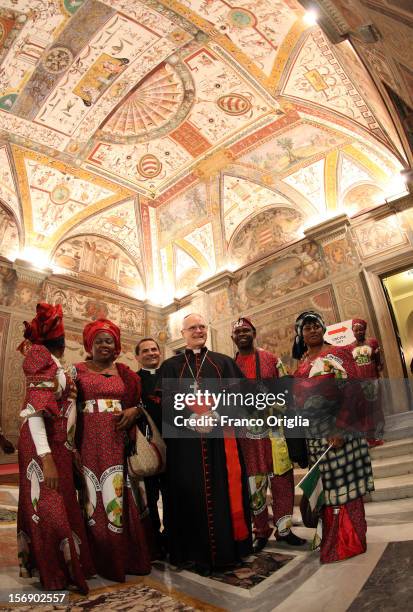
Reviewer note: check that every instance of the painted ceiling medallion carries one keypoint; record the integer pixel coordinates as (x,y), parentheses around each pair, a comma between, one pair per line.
(234,104)
(57,60)
(149,166)
(60,194)
(241,18)
(155,107)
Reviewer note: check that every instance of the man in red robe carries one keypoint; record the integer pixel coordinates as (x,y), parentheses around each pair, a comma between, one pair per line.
(266,457)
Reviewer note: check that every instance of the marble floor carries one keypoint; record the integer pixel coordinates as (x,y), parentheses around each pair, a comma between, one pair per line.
(280,578)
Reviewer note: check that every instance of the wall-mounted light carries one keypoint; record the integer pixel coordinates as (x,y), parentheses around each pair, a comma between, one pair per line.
(310,17)
(399,186)
(139,294)
(37,258)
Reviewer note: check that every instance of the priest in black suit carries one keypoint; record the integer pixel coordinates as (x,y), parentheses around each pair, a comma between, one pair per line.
(208,514)
(148,356)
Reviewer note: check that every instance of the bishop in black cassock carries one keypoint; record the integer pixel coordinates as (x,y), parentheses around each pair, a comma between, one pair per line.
(208,509)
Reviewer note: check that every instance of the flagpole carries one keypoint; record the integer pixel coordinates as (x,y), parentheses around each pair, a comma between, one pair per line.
(314,466)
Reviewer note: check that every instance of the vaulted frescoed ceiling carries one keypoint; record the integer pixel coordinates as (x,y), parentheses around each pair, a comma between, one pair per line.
(149,144)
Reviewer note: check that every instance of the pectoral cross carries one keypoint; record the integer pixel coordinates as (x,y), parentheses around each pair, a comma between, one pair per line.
(194,386)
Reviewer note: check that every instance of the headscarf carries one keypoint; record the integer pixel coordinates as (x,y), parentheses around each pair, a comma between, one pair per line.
(299,347)
(241,322)
(46,325)
(361,322)
(92,329)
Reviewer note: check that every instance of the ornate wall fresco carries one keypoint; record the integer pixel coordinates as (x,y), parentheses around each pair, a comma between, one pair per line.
(265,232)
(99,260)
(382,236)
(301,267)
(120,224)
(276,327)
(340,255)
(9,234)
(8,193)
(242,198)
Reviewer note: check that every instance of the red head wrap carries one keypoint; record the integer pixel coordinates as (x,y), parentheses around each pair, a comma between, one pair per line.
(92,329)
(47,324)
(361,322)
(243,321)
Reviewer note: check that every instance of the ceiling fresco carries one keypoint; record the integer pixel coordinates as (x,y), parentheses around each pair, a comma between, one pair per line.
(173,133)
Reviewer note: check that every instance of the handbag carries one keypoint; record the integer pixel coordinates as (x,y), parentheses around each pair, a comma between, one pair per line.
(149,456)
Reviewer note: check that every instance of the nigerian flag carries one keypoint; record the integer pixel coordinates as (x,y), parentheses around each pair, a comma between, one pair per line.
(312,487)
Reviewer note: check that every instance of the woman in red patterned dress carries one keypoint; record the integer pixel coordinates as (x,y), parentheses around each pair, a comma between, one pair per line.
(369,365)
(109,394)
(50,530)
(325,395)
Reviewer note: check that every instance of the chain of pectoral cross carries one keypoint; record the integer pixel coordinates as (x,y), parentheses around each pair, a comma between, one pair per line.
(194,385)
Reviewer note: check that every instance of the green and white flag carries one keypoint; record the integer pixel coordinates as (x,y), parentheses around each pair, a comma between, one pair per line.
(312,484)
(312,487)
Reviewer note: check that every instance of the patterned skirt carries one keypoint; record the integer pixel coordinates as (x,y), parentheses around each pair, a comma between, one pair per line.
(346,472)
(51,536)
(116,532)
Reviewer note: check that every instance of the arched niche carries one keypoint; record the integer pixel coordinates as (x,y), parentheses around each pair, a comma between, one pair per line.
(264,233)
(94,258)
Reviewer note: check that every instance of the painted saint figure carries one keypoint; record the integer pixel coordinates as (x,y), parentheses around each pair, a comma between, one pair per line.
(114,507)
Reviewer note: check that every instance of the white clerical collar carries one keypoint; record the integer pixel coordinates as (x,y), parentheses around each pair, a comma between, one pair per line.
(149,370)
(196,351)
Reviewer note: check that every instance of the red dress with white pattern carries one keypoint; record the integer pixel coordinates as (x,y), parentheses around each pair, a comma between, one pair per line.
(367,360)
(116,533)
(50,529)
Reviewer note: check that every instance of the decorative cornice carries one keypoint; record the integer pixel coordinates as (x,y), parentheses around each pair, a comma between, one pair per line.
(220,280)
(402,203)
(27,272)
(328,230)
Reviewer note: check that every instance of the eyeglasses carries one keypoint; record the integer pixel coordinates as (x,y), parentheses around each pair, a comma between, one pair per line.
(195,327)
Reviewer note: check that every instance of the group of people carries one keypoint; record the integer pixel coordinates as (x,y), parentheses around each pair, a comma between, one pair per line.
(80,513)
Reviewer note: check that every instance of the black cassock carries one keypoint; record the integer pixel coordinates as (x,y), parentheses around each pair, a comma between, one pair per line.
(206,523)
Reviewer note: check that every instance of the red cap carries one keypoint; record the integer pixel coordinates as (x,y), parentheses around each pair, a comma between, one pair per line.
(361,322)
(92,329)
(243,321)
